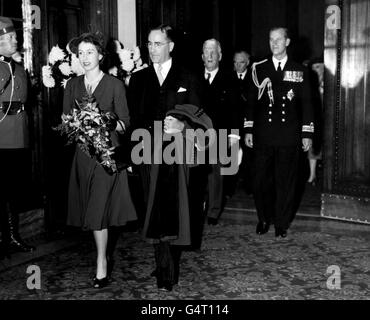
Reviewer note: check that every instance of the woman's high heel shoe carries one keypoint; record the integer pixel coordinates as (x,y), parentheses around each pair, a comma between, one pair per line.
(100,283)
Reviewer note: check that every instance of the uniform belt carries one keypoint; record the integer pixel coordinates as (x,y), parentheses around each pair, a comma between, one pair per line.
(14,107)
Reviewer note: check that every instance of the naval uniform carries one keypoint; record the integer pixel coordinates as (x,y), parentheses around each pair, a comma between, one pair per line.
(279,115)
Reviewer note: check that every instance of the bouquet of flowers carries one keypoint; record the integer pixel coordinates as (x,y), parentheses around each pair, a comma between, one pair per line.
(87,125)
(62,65)
(130,62)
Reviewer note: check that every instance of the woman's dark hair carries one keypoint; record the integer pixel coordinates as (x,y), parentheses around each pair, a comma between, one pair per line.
(95,38)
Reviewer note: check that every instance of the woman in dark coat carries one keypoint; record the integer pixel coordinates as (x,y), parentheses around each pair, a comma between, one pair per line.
(167,223)
(97,199)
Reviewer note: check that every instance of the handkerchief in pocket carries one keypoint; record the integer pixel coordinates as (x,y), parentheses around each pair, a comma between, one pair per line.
(181,89)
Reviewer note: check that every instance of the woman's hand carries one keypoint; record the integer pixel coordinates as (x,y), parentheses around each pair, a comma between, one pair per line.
(172,125)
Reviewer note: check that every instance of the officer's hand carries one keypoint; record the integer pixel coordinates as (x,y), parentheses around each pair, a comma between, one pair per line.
(248,139)
(306,144)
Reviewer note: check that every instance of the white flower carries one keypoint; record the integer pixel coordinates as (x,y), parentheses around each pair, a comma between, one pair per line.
(65,68)
(128,65)
(56,54)
(138,63)
(76,66)
(46,71)
(136,54)
(141,67)
(48,82)
(64,83)
(113,71)
(124,54)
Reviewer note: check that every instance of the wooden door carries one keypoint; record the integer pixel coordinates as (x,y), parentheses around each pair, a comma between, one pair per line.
(347,111)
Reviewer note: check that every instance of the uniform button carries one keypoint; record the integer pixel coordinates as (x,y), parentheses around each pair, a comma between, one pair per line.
(283,112)
(270,112)
(283,120)
(270,105)
(284,97)
(283,104)
(270,120)
(17,87)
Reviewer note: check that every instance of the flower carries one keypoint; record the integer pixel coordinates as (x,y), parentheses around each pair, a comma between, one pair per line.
(56,54)
(87,125)
(62,66)
(65,68)
(130,62)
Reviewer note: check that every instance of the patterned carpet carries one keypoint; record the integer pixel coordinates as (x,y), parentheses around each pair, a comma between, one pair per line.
(234,263)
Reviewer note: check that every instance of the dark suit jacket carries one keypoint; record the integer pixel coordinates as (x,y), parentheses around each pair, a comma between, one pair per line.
(290,117)
(241,87)
(219,100)
(148,101)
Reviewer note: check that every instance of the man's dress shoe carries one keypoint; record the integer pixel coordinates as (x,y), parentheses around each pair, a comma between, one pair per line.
(262,227)
(281,232)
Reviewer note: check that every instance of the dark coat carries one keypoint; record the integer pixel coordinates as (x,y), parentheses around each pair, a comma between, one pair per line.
(172,205)
(290,117)
(219,100)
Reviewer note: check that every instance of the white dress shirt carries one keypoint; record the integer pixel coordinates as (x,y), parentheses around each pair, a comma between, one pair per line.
(166,66)
(213,74)
(282,62)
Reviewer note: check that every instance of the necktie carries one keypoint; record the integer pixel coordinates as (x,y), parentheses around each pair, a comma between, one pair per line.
(208,77)
(159,74)
(279,67)
(240,77)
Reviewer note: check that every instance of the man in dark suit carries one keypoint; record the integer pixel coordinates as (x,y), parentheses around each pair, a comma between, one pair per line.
(241,80)
(279,123)
(152,93)
(157,89)
(220,103)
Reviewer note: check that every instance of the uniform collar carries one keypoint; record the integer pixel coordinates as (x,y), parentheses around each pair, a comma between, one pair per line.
(5,59)
(282,62)
(242,73)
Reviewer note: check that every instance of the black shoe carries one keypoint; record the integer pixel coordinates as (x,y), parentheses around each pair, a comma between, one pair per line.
(281,232)
(165,285)
(212,221)
(100,283)
(262,227)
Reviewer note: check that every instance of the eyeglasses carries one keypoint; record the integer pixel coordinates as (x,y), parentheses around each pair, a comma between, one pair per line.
(156,45)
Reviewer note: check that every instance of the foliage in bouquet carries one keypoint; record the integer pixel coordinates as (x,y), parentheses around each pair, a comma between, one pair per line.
(62,65)
(129,62)
(87,125)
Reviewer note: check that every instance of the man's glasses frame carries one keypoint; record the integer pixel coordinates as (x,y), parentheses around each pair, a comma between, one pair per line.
(156,45)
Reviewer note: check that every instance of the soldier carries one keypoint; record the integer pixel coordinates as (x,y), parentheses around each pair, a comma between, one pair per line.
(279,120)
(14,137)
